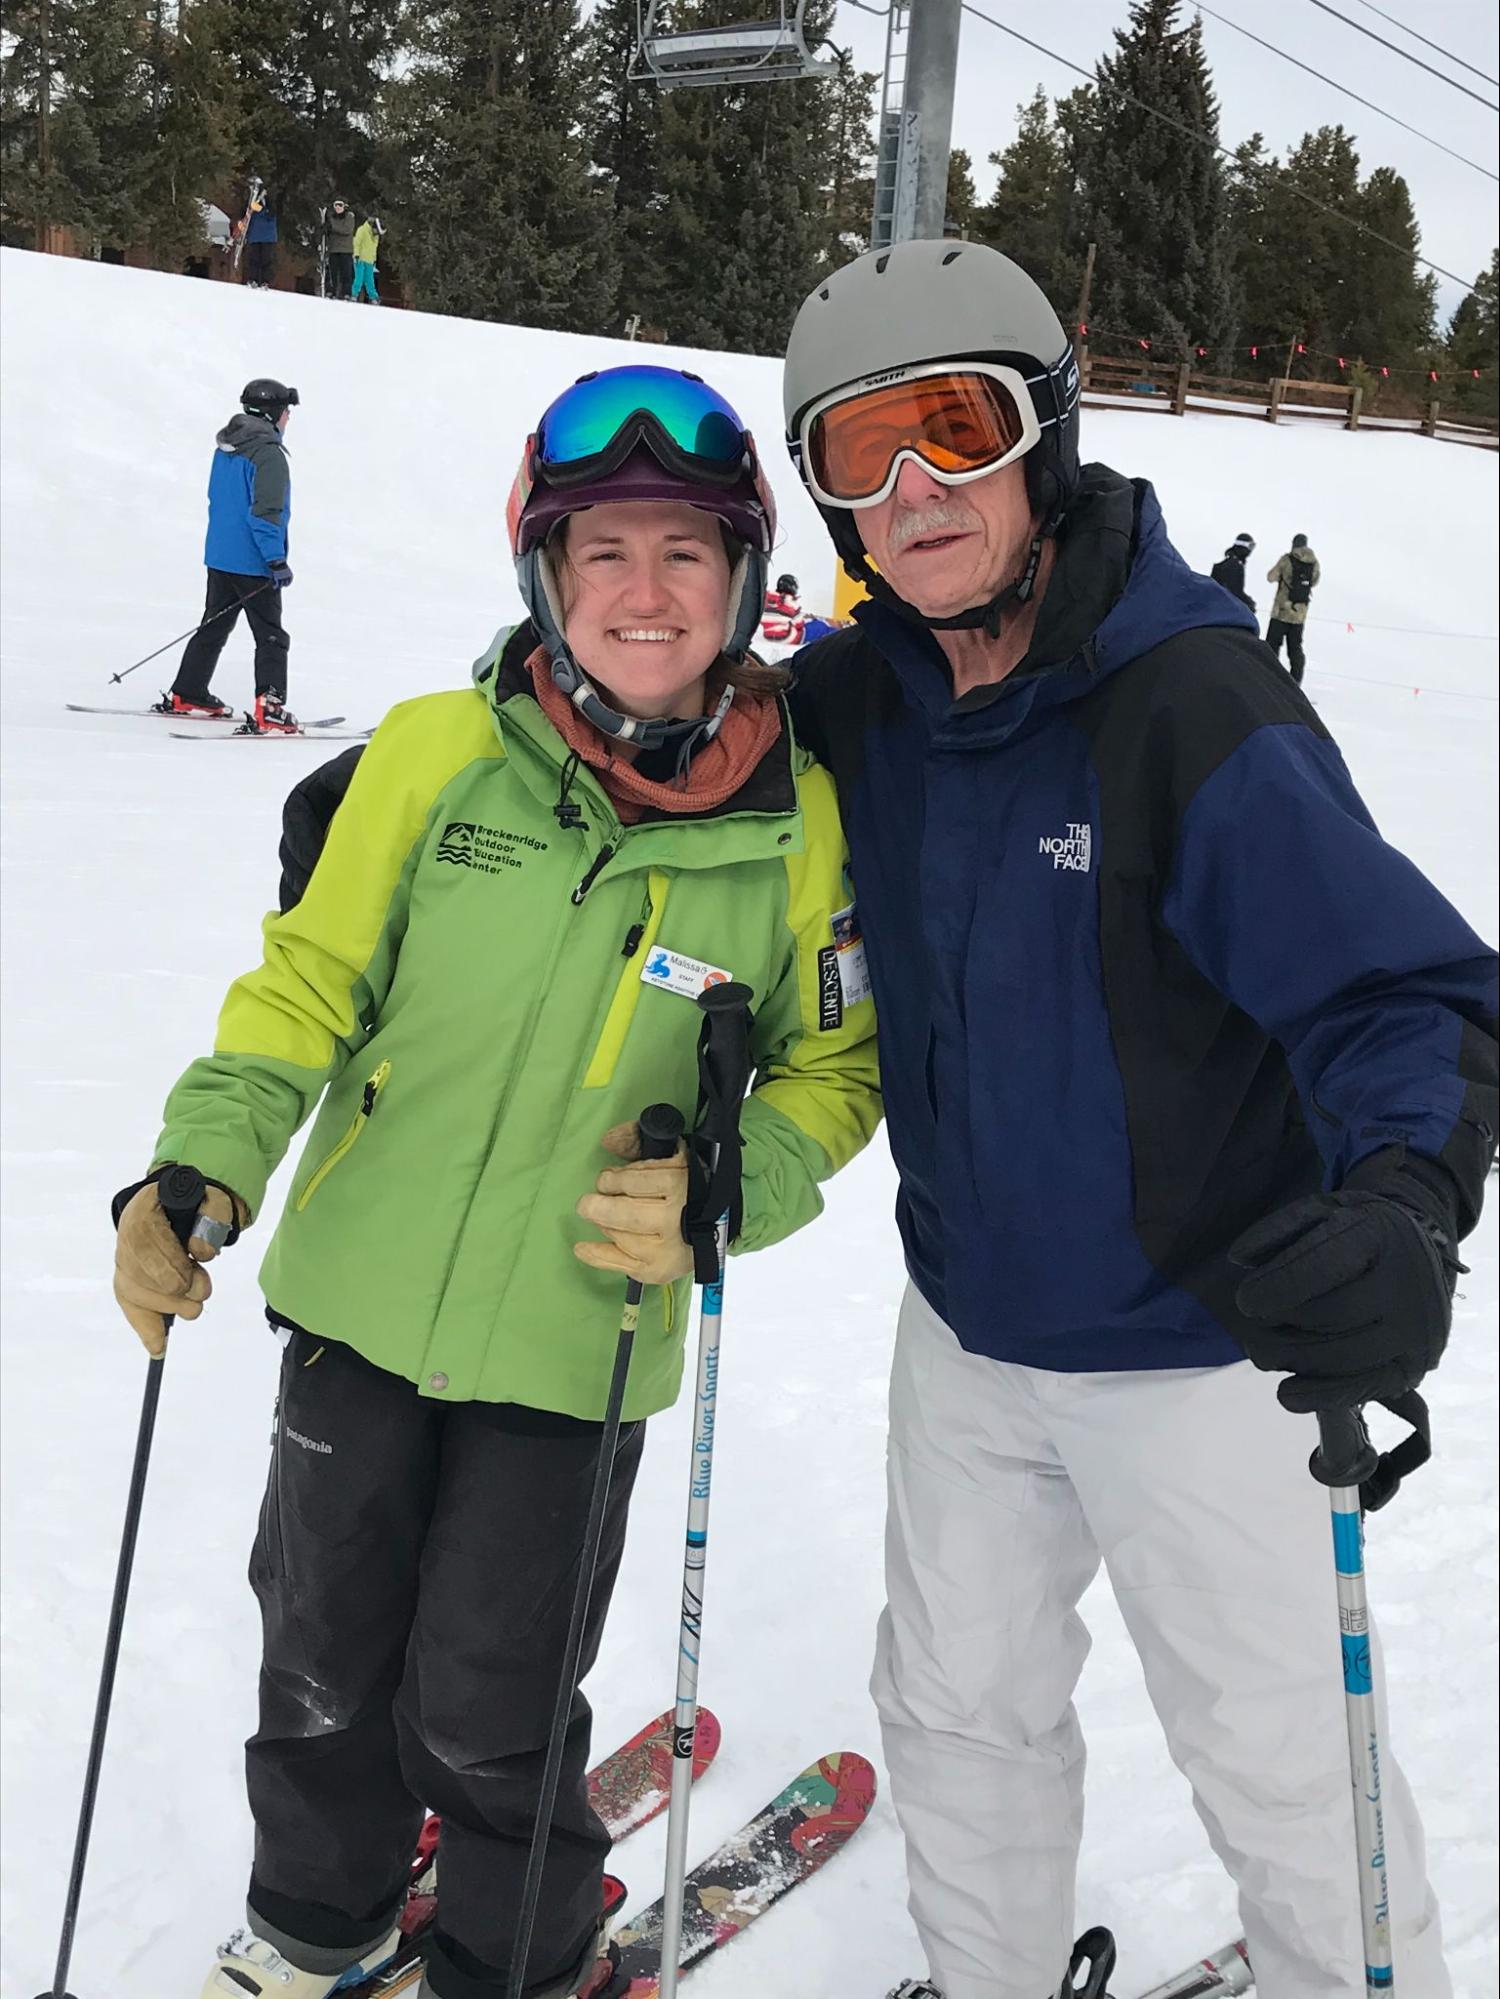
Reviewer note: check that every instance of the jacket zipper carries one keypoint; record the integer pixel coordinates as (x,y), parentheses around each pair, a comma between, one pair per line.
(518,1064)
(367,1103)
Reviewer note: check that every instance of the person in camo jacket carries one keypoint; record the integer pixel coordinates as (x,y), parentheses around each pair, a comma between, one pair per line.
(1296,575)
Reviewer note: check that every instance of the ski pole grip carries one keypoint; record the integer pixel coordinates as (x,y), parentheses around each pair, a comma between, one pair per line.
(181,1191)
(661,1127)
(724,1054)
(1345,1455)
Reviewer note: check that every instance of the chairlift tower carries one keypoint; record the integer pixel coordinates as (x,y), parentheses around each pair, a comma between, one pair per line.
(916,121)
(770,50)
(895,213)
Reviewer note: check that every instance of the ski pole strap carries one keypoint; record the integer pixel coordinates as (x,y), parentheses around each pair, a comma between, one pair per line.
(714,1156)
(1345,1455)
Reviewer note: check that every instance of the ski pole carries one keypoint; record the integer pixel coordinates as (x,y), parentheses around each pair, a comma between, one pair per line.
(1355,1474)
(660,1127)
(723,1075)
(180,1191)
(191,632)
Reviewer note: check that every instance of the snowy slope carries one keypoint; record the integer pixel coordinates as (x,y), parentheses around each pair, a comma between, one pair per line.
(136,871)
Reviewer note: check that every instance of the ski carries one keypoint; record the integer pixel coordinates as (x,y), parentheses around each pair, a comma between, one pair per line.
(627,1790)
(801,1828)
(320,732)
(1227,1971)
(257,189)
(166,715)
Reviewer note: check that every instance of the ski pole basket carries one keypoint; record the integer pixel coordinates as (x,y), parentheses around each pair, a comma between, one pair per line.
(766,51)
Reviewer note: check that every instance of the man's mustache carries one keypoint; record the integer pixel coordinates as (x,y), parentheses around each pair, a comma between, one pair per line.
(942,517)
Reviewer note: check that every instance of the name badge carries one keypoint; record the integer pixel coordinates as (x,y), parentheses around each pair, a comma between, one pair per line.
(854,971)
(675,973)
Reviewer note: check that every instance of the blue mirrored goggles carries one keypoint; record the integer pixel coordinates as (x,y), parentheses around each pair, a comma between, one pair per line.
(601,418)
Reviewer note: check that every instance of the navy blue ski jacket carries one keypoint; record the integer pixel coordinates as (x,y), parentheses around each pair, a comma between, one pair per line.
(249,498)
(1144,967)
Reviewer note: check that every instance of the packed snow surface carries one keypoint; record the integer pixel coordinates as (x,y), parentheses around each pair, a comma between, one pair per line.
(136,872)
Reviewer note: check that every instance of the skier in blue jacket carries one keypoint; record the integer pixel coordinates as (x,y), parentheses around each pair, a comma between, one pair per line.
(1190,1080)
(249,511)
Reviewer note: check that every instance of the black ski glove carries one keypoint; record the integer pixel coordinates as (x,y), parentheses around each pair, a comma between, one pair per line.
(1352,1293)
(281,573)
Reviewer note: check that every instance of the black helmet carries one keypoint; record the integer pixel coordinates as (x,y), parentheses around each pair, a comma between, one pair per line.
(267,397)
(1246,542)
(786,586)
(1299,541)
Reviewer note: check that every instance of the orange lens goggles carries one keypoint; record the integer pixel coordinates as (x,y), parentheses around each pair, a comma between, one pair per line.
(959,422)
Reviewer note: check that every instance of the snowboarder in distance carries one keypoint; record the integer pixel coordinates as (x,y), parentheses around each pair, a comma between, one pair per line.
(245,552)
(783,621)
(1229,570)
(366,250)
(260,242)
(1296,575)
(340,237)
(449,1319)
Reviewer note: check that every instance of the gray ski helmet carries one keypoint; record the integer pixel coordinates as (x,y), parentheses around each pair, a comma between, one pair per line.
(267,397)
(936,301)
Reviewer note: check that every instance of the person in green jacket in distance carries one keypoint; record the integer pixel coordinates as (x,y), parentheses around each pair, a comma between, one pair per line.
(489,971)
(366,250)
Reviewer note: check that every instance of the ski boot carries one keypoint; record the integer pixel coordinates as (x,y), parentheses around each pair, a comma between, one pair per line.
(251,1968)
(273,718)
(1093,1953)
(603,1980)
(209,708)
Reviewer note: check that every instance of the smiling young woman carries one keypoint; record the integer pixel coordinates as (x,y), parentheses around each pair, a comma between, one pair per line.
(468,978)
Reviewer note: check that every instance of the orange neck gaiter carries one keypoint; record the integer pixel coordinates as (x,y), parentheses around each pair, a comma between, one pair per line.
(716,773)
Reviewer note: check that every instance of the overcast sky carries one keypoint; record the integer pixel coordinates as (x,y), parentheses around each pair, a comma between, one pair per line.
(1259,91)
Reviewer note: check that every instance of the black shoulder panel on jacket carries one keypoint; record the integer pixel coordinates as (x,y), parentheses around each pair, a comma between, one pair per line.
(1162,725)
(305,819)
(842,686)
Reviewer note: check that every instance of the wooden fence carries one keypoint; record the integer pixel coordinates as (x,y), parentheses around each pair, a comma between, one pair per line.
(1176,388)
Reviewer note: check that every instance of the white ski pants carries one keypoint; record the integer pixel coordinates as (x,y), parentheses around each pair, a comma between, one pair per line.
(1007,1487)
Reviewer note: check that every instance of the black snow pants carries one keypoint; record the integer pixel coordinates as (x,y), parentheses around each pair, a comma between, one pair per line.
(340,274)
(415,1566)
(229,594)
(260,263)
(1283,628)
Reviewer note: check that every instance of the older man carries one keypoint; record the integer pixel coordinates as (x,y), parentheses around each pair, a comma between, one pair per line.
(1182,1064)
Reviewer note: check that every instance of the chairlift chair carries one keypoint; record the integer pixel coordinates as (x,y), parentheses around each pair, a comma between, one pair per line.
(766,51)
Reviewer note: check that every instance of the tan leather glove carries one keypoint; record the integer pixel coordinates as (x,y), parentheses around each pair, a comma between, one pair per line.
(154,1275)
(639,1207)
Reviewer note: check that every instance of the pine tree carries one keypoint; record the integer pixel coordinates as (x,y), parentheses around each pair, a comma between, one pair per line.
(623,141)
(1309,275)
(1152,193)
(496,212)
(94,57)
(963,196)
(1027,217)
(1472,344)
(747,217)
(195,121)
(308,76)
(851,169)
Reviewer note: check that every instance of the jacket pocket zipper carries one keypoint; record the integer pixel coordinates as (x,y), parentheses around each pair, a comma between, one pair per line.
(357,1123)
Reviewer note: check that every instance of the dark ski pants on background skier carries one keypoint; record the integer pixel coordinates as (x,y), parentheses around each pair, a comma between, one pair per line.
(262,608)
(1279,629)
(340,274)
(260,264)
(415,1566)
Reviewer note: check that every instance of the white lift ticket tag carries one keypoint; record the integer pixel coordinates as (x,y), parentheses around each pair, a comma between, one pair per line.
(854,971)
(675,973)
